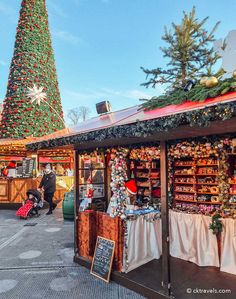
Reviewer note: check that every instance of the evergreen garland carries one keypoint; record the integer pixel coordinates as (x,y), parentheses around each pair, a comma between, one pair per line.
(201,118)
(216,225)
(197,94)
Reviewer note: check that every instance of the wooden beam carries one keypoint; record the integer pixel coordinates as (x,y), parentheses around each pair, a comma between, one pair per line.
(76,202)
(166,284)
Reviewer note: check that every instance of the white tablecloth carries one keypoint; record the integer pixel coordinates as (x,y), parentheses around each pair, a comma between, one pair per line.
(143,240)
(191,239)
(228,246)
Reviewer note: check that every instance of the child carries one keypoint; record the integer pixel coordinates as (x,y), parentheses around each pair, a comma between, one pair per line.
(31,205)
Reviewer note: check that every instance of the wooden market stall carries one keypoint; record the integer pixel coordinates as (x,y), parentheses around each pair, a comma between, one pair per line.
(182,159)
(18,170)
(22,169)
(62,163)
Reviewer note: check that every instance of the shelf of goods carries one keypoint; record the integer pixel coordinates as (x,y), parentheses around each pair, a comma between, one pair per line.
(195,181)
(147,177)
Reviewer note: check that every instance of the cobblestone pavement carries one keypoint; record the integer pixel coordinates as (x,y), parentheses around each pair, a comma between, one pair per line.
(37,262)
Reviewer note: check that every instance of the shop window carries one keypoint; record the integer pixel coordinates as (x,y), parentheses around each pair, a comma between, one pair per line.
(92,175)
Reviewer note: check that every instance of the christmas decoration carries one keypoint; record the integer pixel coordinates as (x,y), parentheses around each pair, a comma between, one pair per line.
(203,80)
(32,76)
(145,153)
(211,82)
(36,94)
(202,118)
(118,177)
(189,51)
(131,187)
(223,178)
(216,225)
(199,93)
(200,148)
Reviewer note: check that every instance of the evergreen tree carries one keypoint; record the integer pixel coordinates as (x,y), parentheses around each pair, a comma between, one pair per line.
(32,106)
(188,50)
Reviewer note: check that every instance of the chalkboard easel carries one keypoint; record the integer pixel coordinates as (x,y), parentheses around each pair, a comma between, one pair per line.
(103,258)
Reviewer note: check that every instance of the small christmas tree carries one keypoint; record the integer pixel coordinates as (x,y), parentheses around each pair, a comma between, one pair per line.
(32,106)
(189,53)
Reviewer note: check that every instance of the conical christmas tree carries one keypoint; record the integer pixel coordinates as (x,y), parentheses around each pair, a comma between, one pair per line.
(32,106)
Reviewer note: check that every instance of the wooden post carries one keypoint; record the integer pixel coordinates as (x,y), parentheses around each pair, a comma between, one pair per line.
(165,220)
(76,201)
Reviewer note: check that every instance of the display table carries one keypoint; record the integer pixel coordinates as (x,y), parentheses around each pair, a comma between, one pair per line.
(143,242)
(228,246)
(191,239)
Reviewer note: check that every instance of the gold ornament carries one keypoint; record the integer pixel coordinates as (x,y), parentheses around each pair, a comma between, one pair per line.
(234,74)
(203,80)
(211,82)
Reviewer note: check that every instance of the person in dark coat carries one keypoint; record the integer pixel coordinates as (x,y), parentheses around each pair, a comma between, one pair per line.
(48,183)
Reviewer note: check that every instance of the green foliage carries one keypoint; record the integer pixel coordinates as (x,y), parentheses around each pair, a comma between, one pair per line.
(189,52)
(198,93)
(216,225)
(32,63)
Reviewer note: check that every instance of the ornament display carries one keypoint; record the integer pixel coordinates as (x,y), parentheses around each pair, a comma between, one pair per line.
(145,153)
(118,178)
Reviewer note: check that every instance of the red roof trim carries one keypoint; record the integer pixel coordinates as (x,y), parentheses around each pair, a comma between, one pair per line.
(188,106)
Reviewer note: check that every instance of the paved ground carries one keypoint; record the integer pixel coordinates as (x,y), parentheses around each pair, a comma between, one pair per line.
(37,262)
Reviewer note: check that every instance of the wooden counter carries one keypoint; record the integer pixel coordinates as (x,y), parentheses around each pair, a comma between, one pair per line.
(13,190)
(92,224)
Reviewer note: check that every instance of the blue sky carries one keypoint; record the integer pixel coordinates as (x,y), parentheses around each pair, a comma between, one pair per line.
(100,45)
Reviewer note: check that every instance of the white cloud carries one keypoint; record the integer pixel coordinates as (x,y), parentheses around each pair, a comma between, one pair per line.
(2,62)
(67,37)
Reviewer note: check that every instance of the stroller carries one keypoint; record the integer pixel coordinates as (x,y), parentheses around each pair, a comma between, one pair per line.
(31,205)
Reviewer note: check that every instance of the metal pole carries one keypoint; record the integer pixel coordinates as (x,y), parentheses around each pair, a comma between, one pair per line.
(165,220)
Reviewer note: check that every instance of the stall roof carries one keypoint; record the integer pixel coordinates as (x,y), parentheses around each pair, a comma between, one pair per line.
(97,128)
(135,114)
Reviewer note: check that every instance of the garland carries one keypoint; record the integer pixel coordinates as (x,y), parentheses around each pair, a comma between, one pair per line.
(118,177)
(145,153)
(198,93)
(202,148)
(216,224)
(202,118)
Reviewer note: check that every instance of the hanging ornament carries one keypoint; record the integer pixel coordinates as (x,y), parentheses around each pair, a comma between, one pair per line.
(211,82)
(203,80)
(234,74)
(36,94)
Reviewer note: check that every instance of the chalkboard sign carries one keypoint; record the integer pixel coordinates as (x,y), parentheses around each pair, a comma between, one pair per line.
(103,258)
(27,167)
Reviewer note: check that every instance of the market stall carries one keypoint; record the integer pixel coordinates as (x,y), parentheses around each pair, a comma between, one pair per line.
(17,170)
(21,169)
(187,168)
(61,162)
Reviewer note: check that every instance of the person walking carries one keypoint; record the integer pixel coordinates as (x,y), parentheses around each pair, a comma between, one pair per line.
(48,184)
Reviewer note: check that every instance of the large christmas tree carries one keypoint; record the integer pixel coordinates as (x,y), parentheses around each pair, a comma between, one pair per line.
(32,106)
